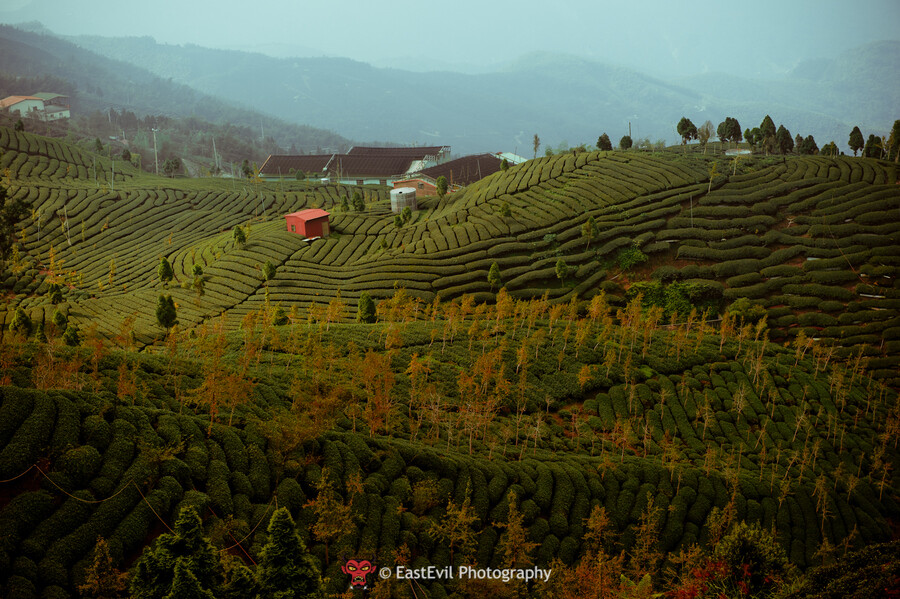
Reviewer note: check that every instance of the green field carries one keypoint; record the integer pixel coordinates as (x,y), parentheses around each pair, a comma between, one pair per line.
(625,380)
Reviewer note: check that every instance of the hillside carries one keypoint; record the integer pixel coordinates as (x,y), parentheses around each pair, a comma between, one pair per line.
(805,239)
(98,83)
(556,96)
(623,379)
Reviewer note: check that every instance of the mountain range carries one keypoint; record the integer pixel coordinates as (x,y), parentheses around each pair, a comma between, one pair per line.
(563,99)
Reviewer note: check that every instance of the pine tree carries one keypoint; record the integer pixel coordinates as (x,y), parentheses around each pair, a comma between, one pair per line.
(239,237)
(286,569)
(603,143)
(626,142)
(185,585)
(165,272)
(166,316)
(365,309)
(494,276)
(156,572)
(441,186)
(562,271)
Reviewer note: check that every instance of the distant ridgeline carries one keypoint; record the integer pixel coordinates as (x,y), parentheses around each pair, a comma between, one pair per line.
(615,363)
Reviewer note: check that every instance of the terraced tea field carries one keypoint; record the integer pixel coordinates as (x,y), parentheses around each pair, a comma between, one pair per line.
(814,241)
(624,380)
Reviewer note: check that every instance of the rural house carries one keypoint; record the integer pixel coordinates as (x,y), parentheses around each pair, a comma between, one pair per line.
(310,223)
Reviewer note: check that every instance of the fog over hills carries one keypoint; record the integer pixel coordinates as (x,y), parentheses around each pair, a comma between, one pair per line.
(561,98)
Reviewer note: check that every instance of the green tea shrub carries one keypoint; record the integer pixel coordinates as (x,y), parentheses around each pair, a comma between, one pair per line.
(258,473)
(25,445)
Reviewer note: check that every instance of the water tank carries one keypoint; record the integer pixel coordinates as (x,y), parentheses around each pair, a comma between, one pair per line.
(402,197)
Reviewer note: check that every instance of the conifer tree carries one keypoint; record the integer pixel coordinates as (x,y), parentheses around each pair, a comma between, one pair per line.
(21,323)
(856,142)
(494,276)
(239,237)
(156,572)
(783,140)
(286,569)
(165,272)
(365,309)
(185,585)
(603,143)
(166,316)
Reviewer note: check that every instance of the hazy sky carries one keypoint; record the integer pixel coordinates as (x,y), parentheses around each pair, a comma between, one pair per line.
(752,37)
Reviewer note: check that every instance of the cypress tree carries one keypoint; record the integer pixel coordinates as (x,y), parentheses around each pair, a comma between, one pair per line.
(365,310)
(494,276)
(783,140)
(166,316)
(239,237)
(165,271)
(286,569)
(856,140)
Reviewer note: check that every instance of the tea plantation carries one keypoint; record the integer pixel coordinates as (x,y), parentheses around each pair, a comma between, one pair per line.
(710,352)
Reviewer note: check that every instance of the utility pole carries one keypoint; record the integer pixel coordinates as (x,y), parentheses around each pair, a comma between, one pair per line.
(155,153)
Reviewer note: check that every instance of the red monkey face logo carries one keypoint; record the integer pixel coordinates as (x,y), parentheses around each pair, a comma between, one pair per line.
(358,570)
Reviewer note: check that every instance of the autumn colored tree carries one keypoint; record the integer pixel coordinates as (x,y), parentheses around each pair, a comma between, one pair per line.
(333,514)
(704,132)
(514,543)
(455,530)
(102,580)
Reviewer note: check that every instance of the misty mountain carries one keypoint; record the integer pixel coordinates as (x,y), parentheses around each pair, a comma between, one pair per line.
(558,97)
(96,83)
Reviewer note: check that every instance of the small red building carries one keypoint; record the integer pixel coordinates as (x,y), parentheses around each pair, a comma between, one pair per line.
(309,223)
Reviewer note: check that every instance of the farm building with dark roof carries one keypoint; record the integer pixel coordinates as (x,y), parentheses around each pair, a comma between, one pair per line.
(360,166)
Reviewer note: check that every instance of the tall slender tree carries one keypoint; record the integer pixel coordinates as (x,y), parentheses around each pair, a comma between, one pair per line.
(856,142)
(783,140)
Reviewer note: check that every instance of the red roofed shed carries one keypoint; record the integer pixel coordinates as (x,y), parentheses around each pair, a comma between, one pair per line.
(309,223)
